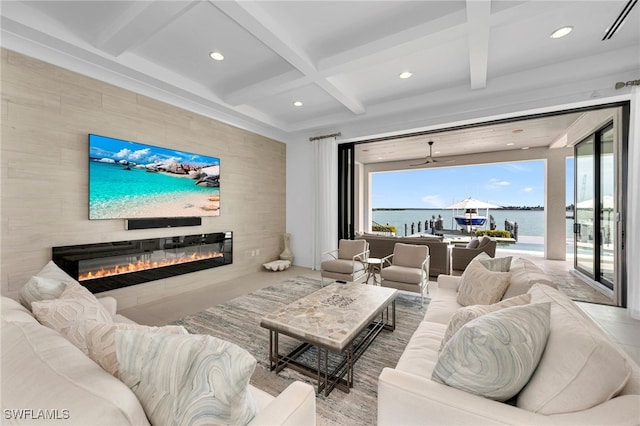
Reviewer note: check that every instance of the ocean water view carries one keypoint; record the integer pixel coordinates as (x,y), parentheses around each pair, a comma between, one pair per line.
(530,223)
(118,192)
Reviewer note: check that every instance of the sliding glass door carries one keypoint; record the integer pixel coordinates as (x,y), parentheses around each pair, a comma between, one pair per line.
(595,207)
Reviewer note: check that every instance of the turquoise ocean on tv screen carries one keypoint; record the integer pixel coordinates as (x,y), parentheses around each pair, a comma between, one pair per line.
(114,190)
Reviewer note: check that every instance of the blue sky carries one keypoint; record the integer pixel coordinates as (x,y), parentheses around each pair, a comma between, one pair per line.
(116,149)
(504,184)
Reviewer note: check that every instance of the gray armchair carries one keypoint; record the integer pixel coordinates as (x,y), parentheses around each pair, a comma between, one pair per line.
(347,263)
(462,256)
(408,269)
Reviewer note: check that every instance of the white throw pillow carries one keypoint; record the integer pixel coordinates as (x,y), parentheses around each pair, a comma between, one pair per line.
(494,355)
(479,286)
(101,341)
(68,313)
(47,284)
(580,368)
(192,379)
(524,274)
(495,264)
(40,288)
(468,313)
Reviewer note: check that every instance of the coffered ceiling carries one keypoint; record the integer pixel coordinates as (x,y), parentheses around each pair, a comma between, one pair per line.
(340,59)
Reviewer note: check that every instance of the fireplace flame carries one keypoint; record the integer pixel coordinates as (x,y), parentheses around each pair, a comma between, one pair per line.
(142,265)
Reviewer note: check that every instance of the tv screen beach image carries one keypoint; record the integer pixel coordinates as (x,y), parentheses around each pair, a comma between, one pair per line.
(132,180)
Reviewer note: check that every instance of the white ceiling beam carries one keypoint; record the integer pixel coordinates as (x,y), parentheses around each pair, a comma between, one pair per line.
(408,41)
(140,21)
(478,28)
(262,26)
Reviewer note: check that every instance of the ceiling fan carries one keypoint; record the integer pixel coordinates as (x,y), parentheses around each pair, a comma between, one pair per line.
(430,159)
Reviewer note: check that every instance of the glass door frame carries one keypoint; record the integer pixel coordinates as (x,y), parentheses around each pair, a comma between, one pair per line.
(618,288)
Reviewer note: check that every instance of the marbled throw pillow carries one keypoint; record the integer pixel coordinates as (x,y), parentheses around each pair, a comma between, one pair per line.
(468,313)
(495,355)
(68,313)
(47,284)
(101,341)
(479,286)
(192,379)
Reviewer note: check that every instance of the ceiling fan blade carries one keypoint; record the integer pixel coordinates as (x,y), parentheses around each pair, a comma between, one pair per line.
(421,164)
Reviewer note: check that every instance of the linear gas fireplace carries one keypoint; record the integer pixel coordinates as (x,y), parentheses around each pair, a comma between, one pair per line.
(107,266)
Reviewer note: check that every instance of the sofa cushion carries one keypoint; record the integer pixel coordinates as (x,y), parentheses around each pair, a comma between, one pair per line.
(43,370)
(342,266)
(484,241)
(421,354)
(580,367)
(68,313)
(442,306)
(47,284)
(524,274)
(101,341)
(187,379)
(474,243)
(479,286)
(402,274)
(468,313)
(495,354)
(14,311)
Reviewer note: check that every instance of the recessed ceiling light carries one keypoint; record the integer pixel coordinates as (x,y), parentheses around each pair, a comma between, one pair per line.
(510,144)
(216,56)
(405,75)
(561,32)
(525,147)
(297,104)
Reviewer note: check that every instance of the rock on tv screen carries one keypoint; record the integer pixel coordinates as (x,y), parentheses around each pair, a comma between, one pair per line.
(131,180)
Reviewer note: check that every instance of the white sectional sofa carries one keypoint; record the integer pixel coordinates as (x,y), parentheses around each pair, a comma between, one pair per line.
(582,361)
(46,379)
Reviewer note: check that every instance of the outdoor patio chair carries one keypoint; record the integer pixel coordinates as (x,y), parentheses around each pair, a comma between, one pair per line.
(462,256)
(408,269)
(347,263)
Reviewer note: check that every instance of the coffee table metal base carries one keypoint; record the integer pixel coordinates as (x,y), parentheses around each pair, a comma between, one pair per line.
(341,376)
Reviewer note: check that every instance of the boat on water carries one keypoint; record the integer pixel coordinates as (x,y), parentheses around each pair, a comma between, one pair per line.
(470,219)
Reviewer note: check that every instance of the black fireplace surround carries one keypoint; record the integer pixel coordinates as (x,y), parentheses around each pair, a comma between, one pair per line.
(108,266)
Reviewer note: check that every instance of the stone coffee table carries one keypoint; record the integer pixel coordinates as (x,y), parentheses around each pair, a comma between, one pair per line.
(331,319)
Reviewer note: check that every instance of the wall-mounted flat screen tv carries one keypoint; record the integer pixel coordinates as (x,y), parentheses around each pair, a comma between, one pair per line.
(132,180)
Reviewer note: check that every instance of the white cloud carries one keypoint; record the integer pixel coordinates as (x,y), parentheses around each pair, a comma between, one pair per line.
(498,182)
(132,155)
(434,201)
(495,183)
(527,189)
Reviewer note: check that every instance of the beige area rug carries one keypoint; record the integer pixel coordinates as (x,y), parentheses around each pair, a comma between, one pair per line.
(238,321)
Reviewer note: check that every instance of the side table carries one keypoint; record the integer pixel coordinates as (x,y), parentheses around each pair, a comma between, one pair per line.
(374,266)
